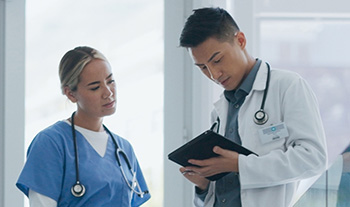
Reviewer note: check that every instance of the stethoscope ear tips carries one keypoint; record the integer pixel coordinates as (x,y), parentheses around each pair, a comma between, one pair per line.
(78,190)
(260,117)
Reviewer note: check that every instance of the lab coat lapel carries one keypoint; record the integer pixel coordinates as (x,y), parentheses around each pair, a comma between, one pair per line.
(260,79)
(221,107)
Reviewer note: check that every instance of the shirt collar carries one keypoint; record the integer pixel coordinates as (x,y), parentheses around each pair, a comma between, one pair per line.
(246,85)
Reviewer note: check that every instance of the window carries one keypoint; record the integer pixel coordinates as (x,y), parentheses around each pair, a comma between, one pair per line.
(130,35)
(313,42)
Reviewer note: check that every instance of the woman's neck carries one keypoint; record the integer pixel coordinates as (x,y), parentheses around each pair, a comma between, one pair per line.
(87,122)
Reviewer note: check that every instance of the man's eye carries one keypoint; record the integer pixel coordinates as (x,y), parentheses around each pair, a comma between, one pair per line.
(111,81)
(204,67)
(95,88)
(217,61)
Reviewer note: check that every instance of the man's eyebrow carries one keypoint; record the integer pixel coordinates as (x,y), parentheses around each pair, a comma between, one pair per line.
(199,64)
(210,59)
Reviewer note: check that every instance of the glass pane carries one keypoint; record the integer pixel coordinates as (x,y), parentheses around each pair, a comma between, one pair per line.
(343,198)
(316,49)
(130,35)
(300,6)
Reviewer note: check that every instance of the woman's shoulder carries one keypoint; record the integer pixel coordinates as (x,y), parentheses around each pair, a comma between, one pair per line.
(53,133)
(124,143)
(52,138)
(120,139)
(57,128)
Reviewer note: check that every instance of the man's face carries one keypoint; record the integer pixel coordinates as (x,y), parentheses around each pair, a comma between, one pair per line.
(224,62)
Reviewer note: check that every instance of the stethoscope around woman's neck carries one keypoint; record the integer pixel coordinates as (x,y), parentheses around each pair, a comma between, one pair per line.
(260,117)
(78,189)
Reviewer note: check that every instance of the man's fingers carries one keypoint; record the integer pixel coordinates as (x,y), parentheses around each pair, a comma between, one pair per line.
(224,152)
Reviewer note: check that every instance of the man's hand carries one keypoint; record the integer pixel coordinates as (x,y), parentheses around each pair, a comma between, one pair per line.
(200,181)
(227,161)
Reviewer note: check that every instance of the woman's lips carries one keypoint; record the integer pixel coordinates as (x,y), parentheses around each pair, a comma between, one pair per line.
(110,104)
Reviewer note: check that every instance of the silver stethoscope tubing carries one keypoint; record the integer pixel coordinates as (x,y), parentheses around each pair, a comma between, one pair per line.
(260,117)
(78,189)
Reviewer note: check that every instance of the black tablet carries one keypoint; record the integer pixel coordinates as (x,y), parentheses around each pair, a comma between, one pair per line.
(201,148)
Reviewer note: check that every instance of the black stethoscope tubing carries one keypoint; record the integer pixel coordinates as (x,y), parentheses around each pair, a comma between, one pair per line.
(260,117)
(78,189)
(217,122)
(266,86)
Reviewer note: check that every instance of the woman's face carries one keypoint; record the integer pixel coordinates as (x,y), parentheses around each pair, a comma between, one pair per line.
(96,91)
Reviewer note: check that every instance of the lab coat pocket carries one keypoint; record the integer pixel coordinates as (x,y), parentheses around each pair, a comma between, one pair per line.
(273,132)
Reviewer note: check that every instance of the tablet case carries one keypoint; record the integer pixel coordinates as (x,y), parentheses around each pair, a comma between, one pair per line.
(201,148)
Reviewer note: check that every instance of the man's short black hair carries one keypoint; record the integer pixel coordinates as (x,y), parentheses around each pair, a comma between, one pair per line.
(205,23)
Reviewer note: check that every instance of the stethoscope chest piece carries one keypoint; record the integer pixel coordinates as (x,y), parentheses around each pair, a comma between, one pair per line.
(260,117)
(78,190)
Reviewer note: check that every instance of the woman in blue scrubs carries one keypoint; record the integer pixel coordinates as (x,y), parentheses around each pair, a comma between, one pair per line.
(78,161)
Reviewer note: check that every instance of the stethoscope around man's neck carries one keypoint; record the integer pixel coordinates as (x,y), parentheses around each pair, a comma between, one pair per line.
(260,117)
(78,189)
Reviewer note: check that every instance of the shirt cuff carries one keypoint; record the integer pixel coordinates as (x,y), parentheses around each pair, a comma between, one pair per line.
(201,193)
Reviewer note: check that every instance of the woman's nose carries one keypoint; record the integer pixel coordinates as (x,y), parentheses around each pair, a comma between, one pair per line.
(108,92)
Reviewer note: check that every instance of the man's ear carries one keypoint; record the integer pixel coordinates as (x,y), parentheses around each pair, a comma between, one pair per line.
(70,94)
(242,41)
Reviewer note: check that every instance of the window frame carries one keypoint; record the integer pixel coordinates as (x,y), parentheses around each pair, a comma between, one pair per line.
(12,64)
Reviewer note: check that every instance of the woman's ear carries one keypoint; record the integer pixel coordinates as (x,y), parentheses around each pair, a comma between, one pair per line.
(70,94)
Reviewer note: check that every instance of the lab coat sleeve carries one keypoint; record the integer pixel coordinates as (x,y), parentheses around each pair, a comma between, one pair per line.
(299,156)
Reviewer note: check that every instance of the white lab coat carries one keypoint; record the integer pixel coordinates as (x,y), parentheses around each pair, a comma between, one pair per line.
(272,178)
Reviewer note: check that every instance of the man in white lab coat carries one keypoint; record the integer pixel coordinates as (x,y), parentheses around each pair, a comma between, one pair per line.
(274,113)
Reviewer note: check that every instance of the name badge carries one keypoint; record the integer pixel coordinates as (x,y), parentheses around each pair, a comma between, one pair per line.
(273,132)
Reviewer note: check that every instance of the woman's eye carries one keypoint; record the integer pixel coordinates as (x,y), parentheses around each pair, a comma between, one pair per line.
(111,81)
(95,88)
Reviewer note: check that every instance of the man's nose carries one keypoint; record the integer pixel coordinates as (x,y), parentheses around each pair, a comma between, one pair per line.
(215,73)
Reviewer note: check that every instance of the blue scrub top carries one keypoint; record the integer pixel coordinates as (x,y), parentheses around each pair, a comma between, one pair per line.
(50,170)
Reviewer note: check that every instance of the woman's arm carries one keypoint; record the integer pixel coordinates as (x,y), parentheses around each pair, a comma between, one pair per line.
(39,200)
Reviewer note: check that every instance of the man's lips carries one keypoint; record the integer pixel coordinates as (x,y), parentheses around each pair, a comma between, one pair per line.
(224,81)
